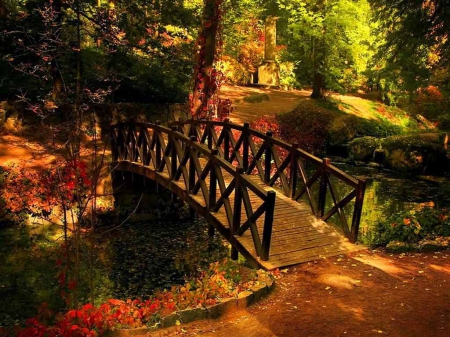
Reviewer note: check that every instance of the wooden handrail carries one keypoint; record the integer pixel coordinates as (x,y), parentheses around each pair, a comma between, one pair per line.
(185,155)
(263,154)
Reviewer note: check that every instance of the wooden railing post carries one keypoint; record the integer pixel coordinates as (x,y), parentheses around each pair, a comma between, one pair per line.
(173,154)
(157,145)
(191,183)
(114,145)
(131,130)
(268,225)
(323,186)
(245,134)
(236,210)
(212,187)
(209,135)
(267,158)
(360,190)
(226,141)
(293,169)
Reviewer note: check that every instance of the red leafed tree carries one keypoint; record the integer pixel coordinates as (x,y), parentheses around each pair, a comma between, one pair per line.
(205,75)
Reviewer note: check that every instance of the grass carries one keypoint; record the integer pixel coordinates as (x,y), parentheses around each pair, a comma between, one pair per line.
(256,98)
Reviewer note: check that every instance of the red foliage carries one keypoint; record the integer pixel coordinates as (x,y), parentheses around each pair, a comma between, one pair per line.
(38,192)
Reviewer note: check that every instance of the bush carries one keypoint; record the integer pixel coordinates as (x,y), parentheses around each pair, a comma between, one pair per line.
(413,226)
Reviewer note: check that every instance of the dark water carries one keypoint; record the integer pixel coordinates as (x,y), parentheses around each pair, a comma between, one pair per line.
(389,192)
(130,261)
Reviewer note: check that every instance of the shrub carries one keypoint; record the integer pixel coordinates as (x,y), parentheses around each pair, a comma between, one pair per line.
(413,226)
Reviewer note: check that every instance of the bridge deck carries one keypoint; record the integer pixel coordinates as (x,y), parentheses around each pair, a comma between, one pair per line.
(297,237)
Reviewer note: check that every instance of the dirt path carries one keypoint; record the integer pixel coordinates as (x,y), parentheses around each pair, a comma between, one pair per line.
(278,101)
(365,294)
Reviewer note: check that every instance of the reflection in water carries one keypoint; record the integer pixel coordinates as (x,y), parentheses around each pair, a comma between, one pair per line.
(389,193)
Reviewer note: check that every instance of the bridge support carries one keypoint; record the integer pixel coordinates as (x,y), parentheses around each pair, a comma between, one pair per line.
(135,192)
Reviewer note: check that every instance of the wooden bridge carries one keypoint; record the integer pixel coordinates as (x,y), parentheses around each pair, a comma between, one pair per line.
(268,198)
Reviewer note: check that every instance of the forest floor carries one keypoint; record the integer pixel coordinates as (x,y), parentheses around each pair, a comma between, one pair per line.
(369,293)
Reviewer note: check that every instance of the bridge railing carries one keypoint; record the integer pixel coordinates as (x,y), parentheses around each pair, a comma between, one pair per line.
(178,157)
(296,172)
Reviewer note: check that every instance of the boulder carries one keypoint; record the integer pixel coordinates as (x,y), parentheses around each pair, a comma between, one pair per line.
(362,149)
(342,129)
(414,154)
(432,245)
(399,247)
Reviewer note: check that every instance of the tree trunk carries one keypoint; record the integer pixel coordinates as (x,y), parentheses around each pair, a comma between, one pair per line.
(204,79)
(3,10)
(58,85)
(317,86)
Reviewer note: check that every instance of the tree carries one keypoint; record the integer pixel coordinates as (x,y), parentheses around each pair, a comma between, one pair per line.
(330,42)
(205,75)
(415,43)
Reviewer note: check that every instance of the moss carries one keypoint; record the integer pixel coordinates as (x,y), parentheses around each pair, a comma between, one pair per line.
(362,149)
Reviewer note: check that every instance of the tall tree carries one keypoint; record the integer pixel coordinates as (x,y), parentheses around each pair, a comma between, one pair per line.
(330,42)
(415,42)
(204,74)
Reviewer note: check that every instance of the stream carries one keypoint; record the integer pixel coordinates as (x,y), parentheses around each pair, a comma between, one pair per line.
(389,192)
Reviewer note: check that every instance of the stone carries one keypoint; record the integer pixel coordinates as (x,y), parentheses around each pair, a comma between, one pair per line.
(415,154)
(269,70)
(269,74)
(259,290)
(245,298)
(362,149)
(342,130)
(170,320)
(225,305)
(432,245)
(398,247)
(190,315)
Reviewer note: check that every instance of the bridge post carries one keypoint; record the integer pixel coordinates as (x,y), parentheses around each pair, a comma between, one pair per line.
(226,140)
(236,210)
(191,182)
(293,169)
(157,146)
(245,134)
(113,143)
(323,186)
(212,187)
(267,159)
(173,158)
(360,189)
(268,224)
(209,135)
(132,146)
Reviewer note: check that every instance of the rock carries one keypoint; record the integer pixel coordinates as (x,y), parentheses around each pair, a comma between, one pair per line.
(414,154)
(362,149)
(425,122)
(195,314)
(398,247)
(432,245)
(342,130)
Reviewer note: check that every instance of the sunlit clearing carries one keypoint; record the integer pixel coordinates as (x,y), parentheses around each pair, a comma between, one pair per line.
(381,263)
(440,268)
(357,312)
(338,281)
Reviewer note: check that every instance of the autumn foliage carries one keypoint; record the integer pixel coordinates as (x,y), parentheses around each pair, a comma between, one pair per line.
(38,191)
(221,280)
